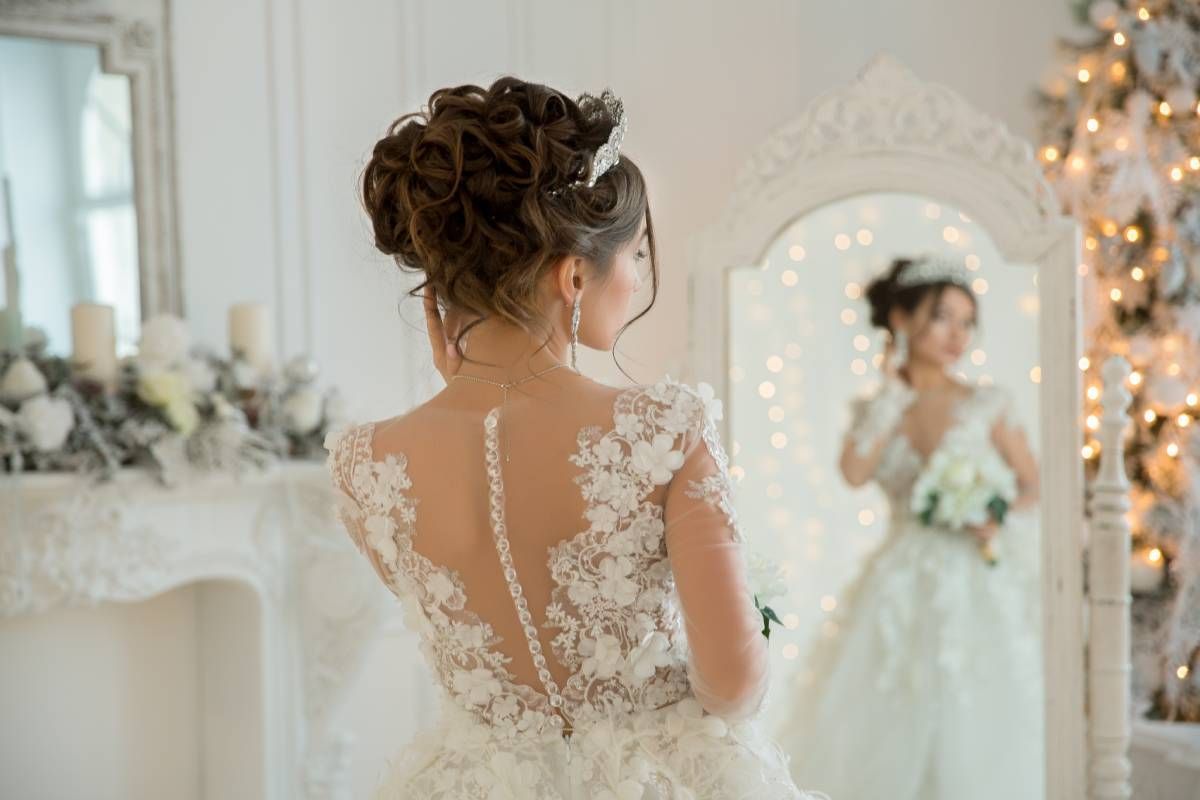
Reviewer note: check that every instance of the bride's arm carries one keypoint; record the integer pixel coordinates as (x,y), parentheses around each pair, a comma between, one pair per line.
(727,653)
(1010,441)
(874,421)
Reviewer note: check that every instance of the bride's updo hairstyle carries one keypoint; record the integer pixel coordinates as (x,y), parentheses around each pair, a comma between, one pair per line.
(885,293)
(473,192)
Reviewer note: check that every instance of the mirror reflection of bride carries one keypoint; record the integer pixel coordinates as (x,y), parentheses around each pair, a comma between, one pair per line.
(929,683)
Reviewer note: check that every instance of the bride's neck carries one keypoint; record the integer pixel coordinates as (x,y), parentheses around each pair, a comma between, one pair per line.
(926,377)
(498,351)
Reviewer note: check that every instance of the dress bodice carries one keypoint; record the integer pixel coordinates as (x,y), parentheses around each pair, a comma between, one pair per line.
(613,625)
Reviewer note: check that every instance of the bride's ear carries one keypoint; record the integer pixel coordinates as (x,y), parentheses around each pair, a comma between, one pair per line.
(569,277)
(898,320)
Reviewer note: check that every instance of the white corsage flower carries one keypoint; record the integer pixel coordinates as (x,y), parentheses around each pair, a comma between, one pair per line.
(712,404)
(615,582)
(380,531)
(46,421)
(658,458)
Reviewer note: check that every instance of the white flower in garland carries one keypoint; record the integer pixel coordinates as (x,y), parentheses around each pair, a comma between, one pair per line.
(171,393)
(22,380)
(303,410)
(46,421)
(164,342)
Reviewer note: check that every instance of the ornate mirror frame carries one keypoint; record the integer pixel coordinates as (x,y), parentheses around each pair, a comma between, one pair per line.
(888,131)
(133,37)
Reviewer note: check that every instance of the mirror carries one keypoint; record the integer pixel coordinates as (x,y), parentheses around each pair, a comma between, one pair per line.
(910,662)
(66,168)
(885,167)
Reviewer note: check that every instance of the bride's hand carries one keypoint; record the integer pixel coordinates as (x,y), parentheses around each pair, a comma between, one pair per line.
(442,334)
(984,533)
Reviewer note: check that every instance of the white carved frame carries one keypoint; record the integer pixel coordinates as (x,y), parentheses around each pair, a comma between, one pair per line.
(890,132)
(134,40)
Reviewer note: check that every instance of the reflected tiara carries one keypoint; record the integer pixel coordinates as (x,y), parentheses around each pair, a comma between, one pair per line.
(608,154)
(932,269)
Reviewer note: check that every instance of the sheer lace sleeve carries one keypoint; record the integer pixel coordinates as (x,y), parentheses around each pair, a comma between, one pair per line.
(350,455)
(728,659)
(877,415)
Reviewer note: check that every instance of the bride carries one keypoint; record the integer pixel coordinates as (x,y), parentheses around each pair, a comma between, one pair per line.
(566,550)
(930,686)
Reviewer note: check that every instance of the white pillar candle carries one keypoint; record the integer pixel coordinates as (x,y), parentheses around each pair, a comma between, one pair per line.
(250,334)
(94,342)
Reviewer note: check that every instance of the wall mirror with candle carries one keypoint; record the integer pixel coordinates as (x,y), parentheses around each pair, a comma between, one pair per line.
(86,169)
(887,308)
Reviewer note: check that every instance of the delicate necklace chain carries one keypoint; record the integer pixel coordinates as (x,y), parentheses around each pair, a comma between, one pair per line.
(504,398)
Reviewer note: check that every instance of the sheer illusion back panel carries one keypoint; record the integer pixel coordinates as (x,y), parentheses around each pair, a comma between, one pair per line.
(611,500)
(543,506)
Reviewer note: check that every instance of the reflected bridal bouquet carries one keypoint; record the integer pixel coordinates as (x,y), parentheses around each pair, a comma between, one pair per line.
(963,486)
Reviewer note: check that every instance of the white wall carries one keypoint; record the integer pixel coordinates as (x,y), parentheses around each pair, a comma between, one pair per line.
(278,103)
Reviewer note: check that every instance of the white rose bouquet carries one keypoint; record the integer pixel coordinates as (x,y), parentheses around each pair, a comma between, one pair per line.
(766,581)
(963,487)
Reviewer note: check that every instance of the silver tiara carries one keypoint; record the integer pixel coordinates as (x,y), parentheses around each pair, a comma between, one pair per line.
(608,155)
(932,269)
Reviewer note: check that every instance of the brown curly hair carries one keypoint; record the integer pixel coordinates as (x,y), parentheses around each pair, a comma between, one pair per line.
(884,293)
(471,191)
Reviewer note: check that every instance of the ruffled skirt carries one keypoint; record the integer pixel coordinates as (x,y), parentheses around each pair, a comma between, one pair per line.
(675,752)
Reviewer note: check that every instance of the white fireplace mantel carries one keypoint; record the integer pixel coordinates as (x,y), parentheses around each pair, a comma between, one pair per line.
(66,543)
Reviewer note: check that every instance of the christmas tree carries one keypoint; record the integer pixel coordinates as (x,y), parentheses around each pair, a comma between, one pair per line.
(1121,145)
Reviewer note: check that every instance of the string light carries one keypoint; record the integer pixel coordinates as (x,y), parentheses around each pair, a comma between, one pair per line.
(1192,399)
(1183,420)
(1164,108)
(853,291)
(775,413)
(858,367)
(1087,451)
(796,253)
(1143,14)
(1172,450)
(972,261)
(1115,294)
(1150,416)
(864,236)
(1194,163)
(1084,363)
(775,364)
(978,358)
(1176,174)
(1133,233)
(766,390)
(1093,422)
(1135,378)
(1109,228)
(979,285)
(779,440)
(950,233)
(1091,243)
(1093,392)
(1155,555)
(1117,71)
(1083,269)
(849,316)
(790,651)
(829,602)
(1035,374)
(1084,75)
(1093,124)
(1138,273)
(861,343)
(1122,143)
(1119,39)
(1050,153)
(1173,369)
(1078,163)
(841,241)
(1182,672)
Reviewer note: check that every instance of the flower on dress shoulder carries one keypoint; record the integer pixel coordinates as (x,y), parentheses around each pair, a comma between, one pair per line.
(608,451)
(659,457)
(713,406)
(603,518)
(441,588)
(629,426)
(581,593)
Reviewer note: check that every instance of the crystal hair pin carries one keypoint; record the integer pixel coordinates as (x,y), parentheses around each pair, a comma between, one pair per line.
(608,155)
(932,269)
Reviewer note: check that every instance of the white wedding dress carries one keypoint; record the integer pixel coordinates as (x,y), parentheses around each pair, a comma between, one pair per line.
(928,686)
(583,606)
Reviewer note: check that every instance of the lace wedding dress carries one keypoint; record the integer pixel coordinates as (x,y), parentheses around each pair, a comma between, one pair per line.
(930,686)
(583,606)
